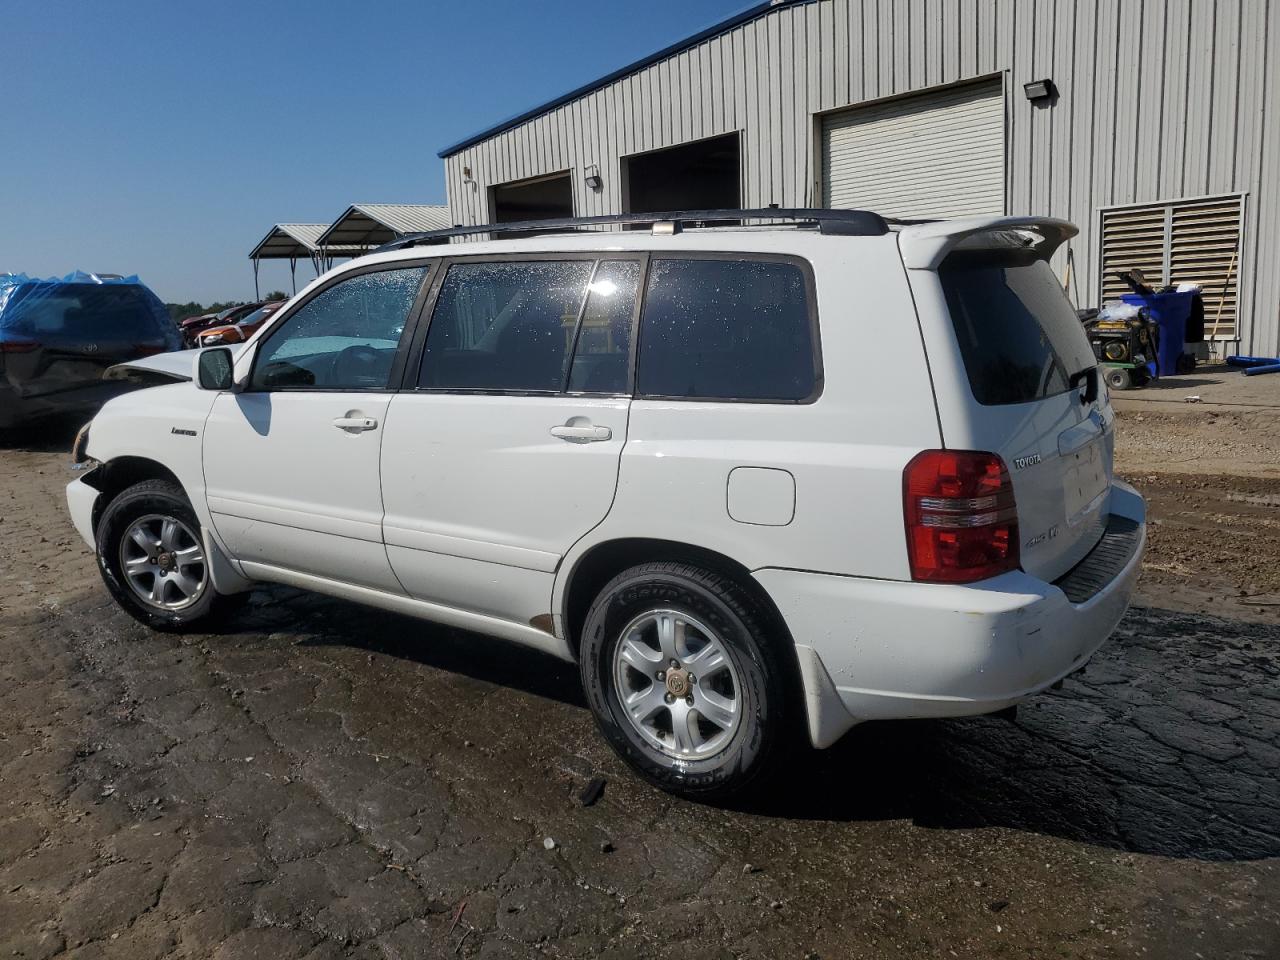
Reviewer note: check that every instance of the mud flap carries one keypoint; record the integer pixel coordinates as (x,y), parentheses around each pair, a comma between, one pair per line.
(828,719)
(225,574)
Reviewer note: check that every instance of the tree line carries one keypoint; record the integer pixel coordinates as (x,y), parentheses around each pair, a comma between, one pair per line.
(180,311)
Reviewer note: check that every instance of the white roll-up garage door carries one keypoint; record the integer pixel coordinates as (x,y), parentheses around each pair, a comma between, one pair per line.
(939,154)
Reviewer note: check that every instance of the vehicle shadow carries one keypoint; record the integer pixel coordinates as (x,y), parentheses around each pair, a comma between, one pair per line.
(1182,383)
(326,621)
(1168,744)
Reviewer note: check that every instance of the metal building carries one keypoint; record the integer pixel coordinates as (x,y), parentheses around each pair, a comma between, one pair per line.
(1143,121)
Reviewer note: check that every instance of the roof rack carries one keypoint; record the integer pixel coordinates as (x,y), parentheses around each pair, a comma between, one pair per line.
(847,223)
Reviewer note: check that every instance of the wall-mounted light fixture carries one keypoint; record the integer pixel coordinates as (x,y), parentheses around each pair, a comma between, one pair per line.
(592,176)
(467,178)
(1039,90)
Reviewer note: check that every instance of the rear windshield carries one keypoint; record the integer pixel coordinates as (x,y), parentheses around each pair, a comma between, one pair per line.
(1019,336)
(81,311)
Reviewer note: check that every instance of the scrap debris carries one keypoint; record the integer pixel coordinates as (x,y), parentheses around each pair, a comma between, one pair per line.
(457,916)
(592,792)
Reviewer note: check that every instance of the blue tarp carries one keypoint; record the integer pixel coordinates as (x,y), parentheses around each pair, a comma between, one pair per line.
(83,306)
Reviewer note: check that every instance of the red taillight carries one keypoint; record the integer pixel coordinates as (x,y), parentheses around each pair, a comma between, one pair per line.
(18,346)
(962,524)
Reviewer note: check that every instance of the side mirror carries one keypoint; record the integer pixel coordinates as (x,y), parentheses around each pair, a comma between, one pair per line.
(215,370)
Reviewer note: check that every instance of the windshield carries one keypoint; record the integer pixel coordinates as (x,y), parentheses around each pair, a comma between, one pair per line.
(1019,337)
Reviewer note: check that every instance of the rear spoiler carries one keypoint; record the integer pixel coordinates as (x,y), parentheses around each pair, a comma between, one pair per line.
(925,245)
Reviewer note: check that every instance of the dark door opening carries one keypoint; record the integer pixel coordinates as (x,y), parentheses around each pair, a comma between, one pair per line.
(546,198)
(693,176)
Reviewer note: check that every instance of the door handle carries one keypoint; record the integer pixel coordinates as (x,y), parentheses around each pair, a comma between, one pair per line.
(581,433)
(1081,435)
(356,424)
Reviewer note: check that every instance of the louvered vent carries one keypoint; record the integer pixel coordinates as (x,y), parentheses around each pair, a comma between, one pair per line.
(1133,237)
(1204,241)
(1187,242)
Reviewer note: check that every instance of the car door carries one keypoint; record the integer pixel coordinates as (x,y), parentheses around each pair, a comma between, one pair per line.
(503,450)
(291,461)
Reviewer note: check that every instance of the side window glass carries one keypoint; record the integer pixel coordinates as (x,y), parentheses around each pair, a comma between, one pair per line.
(505,326)
(726,329)
(603,352)
(344,338)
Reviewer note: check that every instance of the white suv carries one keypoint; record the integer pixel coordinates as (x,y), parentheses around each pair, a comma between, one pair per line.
(829,470)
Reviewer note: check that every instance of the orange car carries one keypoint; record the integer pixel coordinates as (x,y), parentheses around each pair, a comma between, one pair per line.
(238,332)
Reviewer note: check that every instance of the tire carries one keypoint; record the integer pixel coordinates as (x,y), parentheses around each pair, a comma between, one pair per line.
(737,746)
(159,512)
(1118,378)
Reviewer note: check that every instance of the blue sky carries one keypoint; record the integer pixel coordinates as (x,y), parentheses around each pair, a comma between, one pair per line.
(165,138)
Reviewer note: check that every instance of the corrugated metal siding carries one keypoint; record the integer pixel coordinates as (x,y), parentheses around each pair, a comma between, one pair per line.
(1159,100)
(930,155)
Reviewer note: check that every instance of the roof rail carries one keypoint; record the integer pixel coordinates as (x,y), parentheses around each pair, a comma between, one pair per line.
(849,223)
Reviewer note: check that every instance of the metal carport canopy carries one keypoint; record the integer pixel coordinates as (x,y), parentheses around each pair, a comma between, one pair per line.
(289,241)
(368,225)
(292,241)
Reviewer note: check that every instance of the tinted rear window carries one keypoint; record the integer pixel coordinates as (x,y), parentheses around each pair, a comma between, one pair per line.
(726,329)
(73,311)
(1019,337)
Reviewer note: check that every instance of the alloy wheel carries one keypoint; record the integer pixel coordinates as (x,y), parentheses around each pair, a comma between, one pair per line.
(163,562)
(677,684)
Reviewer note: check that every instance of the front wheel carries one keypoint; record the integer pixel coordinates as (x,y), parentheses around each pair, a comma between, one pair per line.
(152,558)
(684,680)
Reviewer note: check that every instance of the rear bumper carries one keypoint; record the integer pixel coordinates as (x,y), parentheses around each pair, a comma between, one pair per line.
(875,649)
(17,408)
(10,407)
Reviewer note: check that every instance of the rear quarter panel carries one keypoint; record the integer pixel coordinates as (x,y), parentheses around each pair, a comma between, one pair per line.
(846,450)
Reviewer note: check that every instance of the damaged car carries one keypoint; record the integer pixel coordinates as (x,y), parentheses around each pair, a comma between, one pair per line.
(58,337)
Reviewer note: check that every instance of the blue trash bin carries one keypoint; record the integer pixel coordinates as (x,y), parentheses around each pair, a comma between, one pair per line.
(1170,312)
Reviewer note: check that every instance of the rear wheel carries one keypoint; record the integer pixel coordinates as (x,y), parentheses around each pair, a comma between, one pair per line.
(152,558)
(683,679)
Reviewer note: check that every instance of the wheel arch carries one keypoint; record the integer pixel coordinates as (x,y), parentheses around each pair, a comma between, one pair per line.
(118,474)
(604,561)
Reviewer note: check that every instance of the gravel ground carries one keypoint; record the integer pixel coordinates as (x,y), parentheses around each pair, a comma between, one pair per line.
(1231,430)
(325,781)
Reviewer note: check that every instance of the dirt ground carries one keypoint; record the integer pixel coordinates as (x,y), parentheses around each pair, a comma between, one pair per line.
(325,781)
(1211,472)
